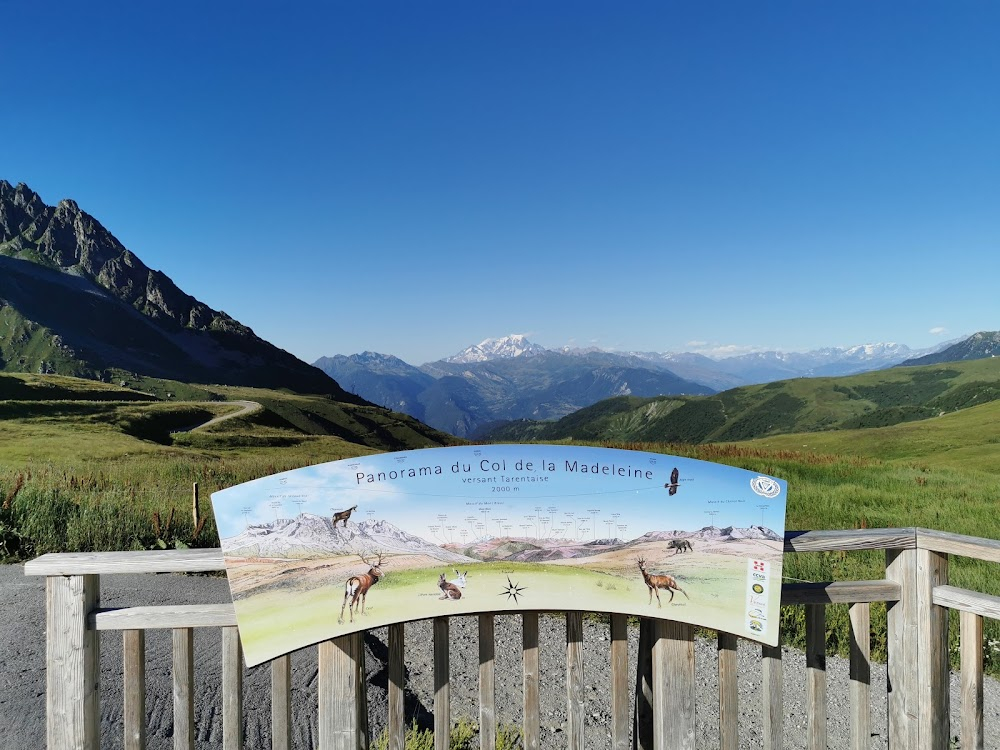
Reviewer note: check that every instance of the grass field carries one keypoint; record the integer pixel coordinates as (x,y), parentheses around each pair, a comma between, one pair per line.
(84,465)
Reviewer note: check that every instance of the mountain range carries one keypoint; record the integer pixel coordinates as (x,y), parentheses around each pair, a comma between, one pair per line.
(75,301)
(800,405)
(308,535)
(511,378)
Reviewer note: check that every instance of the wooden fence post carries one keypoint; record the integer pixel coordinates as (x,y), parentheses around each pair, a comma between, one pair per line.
(934,717)
(673,686)
(642,732)
(73,663)
(901,647)
(338,693)
(195,510)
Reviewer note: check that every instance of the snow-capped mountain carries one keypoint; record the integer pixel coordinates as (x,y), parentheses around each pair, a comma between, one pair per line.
(309,535)
(511,378)
(508,347)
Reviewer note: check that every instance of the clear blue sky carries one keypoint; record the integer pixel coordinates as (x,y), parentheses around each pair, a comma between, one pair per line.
(413,177)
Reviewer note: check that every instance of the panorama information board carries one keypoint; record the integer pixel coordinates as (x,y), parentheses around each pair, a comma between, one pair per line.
(330,549)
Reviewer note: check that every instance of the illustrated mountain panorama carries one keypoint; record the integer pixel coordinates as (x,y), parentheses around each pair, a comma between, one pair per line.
(74,301)
(309,536)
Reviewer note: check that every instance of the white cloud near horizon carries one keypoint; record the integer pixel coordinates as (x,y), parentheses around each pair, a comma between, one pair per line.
(938,331)
(714,350)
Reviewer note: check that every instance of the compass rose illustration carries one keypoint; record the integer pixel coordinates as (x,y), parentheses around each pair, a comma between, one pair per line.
(513,591)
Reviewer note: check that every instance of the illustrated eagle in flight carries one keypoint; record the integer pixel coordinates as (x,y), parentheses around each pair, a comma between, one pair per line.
(674,482)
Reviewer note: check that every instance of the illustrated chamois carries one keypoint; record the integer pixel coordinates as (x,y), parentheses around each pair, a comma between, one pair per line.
(659,582)
(681,545)
(448,590)
(357,587)
(343,516)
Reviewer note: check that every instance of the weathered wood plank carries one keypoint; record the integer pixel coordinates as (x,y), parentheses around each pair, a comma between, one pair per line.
(170,617)
(934,724)
(281,703)
(860,676)
(673,681)
(72,663)
(338,689)
(841,592)
(143,561)
(959,544)
(487,684)
(642,736)
(529,658)
(901,642)
(134,683)
(965,600)
(772,695)
(396,727)
(362,696)
(232,690)
(729,695)
(849,539)
(816,676)
(442,685)
(619,682)
(575,697)
(183,682)
(971,649)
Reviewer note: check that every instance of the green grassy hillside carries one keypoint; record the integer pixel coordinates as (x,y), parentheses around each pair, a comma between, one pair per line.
(85,465)
(873,399)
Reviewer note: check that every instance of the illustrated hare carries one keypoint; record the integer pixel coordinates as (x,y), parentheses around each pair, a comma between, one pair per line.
(460,581)
(448,590)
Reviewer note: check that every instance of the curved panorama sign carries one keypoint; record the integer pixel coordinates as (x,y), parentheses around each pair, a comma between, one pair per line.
(338,547)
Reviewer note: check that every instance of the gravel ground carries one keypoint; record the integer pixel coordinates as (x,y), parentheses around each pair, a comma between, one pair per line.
(22,676)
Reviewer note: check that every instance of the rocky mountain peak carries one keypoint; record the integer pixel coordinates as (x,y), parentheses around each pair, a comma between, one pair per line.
(506,347)
(66,273)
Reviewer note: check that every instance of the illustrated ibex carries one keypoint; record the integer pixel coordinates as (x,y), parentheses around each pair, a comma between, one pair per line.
(448,590)
(680,545)
(343,516)
(357,587)
(659,582)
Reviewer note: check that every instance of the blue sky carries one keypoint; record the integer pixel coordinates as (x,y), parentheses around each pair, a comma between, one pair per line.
(414,177)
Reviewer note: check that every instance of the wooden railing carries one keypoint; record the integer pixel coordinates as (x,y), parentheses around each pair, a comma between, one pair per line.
(915,588)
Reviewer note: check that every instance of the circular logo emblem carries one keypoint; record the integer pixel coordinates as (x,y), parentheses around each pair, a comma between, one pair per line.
(765,486)
(755,626)
(757,588)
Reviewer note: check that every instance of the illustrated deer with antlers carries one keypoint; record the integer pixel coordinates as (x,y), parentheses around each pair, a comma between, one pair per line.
(357,587)
(343,516)
(659,582)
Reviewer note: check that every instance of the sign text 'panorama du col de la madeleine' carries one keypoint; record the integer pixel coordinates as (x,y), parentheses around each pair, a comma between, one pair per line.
(331,549)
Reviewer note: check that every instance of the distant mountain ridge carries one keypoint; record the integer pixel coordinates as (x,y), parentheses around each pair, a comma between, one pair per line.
(499,380)
(800,405)
(75,301)
(511,378)
(982,345)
